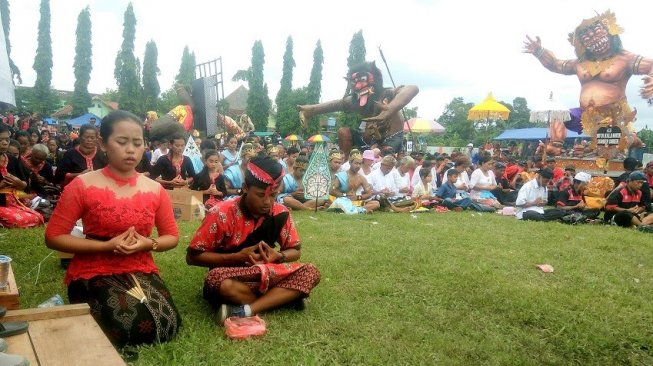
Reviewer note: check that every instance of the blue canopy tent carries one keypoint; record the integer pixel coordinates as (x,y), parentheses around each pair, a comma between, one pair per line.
(83,120)
(535,134)
(50,121)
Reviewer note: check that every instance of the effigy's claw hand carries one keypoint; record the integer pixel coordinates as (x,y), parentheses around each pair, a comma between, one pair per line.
(532,46)
(647,89)
(304,115)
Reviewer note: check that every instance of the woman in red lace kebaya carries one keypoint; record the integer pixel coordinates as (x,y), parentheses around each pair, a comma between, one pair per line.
(84,158)
(113,269)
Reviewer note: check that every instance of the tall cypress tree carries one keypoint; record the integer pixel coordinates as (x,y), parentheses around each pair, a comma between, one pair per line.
(258,102)
(186,73)
(315,83)
(151,88)
(83,63)
(6,22)
(43,99)
(357,54)
(126,71)
(286,77)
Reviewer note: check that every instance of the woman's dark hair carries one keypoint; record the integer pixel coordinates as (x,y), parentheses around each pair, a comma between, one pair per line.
(84,128)
(4,128)
(624,218)
(208,145)
(292,150)
(203,179)
(267,164)
(32,131)
(45,131)
(22,133)
(14,143)
(427,164)
(423,173)
(106,126)
(484,158)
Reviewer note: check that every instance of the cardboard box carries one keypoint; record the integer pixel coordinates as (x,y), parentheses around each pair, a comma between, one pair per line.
(185,196)
(192,212)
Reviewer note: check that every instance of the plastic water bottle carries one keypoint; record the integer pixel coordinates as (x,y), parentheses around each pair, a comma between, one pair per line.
(55,300)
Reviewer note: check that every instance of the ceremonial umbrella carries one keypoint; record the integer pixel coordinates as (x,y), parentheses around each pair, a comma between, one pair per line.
(487,111)
(318,138)
(550,110)
(292,138)
(423,125)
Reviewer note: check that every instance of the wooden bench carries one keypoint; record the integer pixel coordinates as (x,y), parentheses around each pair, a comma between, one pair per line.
(9,297)
(62,335)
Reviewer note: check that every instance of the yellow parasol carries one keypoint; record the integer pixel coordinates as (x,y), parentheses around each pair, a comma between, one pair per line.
(423,125)
(487,111)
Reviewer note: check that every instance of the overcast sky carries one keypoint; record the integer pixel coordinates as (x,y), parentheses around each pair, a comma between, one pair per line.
(447,48)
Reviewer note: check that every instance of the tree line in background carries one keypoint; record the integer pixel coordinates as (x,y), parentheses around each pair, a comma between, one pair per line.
(139,90)
(138,86)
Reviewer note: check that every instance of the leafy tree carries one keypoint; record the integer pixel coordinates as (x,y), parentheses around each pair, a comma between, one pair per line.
(357,55)
(519,115)
(258,102)
(410,112)
(646,135)
(186,73)
(286,77)
(167,101)
(43,96)
(242,75)
(315,84)
(454,120)
(287,117)
(151,88)
(5,14)
(83,64)
(357,51)
(127,67)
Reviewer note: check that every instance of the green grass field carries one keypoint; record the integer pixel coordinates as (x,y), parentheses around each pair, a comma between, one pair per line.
(401,289)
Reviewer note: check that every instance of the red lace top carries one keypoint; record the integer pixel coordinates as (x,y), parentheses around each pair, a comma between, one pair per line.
(105,217)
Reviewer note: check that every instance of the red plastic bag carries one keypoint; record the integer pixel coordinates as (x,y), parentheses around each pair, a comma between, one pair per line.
(243,328)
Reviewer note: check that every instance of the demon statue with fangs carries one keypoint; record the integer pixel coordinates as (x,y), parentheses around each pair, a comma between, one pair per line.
(378,107)
(603,68)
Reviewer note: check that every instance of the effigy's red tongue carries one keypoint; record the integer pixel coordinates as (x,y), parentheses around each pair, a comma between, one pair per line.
(362,100)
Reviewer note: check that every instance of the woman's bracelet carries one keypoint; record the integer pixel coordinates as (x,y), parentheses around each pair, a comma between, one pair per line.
(155,244)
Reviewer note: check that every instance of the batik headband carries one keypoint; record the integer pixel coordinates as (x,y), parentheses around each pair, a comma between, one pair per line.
(263,176)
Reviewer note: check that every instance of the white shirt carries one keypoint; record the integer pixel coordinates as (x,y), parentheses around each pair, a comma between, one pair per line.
(529,192)
(478,178)
(380,181)
(156,155)
(420,190)
(344,166)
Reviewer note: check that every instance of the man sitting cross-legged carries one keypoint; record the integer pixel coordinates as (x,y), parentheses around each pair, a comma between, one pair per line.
(236,241)
(291,193)
(572,199)
(353,186)
(449,195)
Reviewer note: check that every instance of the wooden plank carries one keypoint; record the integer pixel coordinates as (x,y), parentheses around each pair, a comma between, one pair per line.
(21,345)
(70,341)
(46,313)
(9,296)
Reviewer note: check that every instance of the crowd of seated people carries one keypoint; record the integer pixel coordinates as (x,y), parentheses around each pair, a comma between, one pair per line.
(485,180)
